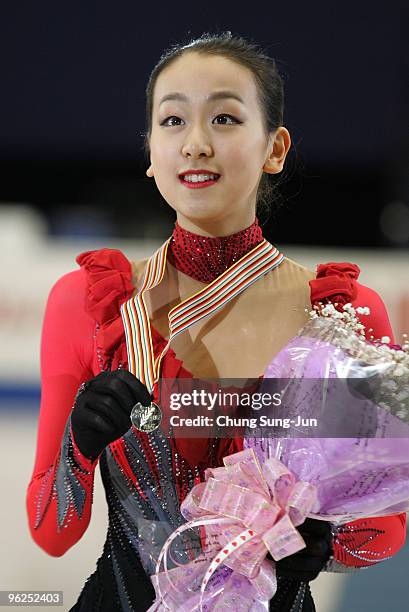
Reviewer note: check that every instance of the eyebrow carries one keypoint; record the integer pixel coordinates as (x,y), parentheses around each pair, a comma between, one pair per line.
(217,95)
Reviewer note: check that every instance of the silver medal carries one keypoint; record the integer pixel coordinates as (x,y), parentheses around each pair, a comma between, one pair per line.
(146,418)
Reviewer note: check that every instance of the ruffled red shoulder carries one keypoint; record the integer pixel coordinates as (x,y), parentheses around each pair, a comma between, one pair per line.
(109,281)
(109,284)
(335,282)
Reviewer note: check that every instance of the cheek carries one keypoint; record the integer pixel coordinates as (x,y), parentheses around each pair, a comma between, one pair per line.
(231,156)
(244,154)
(162,152)
(160,157)
(242,165)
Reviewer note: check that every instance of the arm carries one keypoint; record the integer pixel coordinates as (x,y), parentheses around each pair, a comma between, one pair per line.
(59,495)
(368,541)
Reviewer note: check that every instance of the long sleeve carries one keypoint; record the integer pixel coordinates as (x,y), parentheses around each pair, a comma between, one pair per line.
(366,542)
(59,495)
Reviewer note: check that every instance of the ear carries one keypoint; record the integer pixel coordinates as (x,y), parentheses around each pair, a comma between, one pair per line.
(149,171)
(278,146)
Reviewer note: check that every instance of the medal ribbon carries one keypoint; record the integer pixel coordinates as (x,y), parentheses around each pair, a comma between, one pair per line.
(249,268)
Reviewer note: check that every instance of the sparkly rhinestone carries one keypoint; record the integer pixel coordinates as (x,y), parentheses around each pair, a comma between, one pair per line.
(213,255)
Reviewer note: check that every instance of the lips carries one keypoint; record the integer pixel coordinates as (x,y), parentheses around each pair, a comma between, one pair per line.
(198,171)
(198,184)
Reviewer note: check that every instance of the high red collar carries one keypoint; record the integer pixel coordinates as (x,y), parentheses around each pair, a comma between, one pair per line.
(206,257)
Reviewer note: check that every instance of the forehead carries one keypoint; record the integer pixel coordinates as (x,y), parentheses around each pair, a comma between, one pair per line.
(196,76)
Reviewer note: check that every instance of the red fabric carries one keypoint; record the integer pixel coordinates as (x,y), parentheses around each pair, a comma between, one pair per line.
(335,282)
(82,333)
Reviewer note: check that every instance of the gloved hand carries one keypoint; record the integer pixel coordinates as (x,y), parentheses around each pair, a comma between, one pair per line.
(102,409)
(306,564)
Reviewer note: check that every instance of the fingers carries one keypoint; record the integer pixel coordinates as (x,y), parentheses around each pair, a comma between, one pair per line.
(116,392)
(303,573)
(123,387)
(308,562)
(300,565)
(112,413)
(315,547)
(102,414)
(122,379)
(139,390)
(315,527)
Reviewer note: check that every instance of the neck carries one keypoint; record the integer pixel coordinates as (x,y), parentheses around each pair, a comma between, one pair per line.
(206,257)
(219,228)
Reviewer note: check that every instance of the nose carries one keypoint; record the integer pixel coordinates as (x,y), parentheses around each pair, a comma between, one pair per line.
(197,144)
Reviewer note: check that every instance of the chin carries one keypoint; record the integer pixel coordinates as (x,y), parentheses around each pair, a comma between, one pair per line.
(200,211)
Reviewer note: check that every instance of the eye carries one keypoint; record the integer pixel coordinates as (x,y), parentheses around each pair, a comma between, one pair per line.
(230,117)
(165,121)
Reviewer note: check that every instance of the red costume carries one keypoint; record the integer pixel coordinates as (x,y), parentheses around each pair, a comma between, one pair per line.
(83,334)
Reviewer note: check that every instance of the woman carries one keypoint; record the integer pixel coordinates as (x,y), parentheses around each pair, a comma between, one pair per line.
(215,133)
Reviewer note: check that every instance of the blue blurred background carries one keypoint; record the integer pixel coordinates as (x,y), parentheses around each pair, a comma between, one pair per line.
(72,117)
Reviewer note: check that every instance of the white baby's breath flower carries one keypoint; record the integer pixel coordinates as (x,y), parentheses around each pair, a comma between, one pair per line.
(385,339)
(363,310)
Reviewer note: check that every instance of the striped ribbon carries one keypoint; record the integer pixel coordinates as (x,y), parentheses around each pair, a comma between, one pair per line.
(240,275)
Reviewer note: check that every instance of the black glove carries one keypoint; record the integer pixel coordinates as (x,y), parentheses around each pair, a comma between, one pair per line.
(306,564)
(102,409)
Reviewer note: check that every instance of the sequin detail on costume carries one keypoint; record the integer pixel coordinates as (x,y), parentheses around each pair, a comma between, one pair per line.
(290,592)
(69,486)
(353,540)
(204,258)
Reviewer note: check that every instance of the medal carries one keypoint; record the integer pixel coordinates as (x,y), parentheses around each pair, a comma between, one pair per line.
(146,418)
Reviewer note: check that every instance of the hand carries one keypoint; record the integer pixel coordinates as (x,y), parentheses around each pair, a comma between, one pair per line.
(306,564)
(102,410)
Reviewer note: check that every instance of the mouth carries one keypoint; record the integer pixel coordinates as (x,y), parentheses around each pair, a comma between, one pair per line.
(196,181)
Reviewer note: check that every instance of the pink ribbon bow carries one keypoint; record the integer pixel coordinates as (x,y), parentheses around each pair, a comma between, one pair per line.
(248,511)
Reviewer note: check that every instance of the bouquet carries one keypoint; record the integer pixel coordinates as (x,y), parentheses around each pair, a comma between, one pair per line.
(251,507)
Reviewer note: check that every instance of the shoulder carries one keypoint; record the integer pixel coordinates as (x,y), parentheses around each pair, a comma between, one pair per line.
(289,281)
(66,309)
(337,282)
(296,270)
(67,328)
(377,322)
(68,290)
(289,275)
(103,262)
(108,281)
(103,259)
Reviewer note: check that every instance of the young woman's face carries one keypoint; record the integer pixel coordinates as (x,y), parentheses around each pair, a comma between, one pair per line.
(221,135)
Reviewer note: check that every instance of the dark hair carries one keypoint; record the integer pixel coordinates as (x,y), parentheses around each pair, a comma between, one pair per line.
(269,84)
